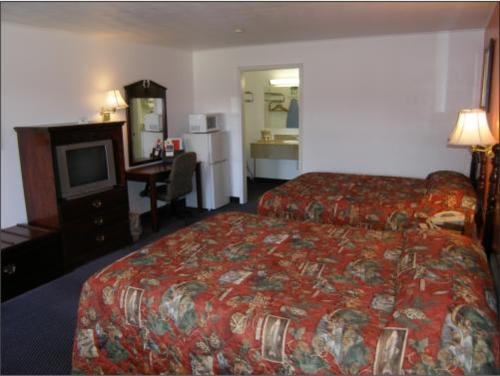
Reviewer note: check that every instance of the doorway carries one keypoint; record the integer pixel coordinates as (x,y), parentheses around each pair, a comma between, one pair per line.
(271,101)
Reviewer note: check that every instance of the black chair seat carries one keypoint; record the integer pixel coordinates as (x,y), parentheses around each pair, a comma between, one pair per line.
(161,192)
(179,182)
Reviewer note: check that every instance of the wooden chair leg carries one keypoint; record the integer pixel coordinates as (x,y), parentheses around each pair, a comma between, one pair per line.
(173,208)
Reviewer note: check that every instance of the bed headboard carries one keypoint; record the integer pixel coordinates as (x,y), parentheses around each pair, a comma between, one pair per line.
(491,229)
(478,179)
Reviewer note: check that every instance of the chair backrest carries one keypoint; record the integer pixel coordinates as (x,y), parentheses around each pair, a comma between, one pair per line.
(181,176)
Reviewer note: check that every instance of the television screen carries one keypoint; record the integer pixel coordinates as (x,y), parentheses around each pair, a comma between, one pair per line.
(87,165)
(85,168)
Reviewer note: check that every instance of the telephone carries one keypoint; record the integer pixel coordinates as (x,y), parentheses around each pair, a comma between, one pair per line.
(448,217)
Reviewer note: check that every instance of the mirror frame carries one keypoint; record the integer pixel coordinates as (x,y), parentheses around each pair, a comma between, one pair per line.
(144,89)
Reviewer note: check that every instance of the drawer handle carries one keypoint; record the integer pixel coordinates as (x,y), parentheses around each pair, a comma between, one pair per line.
(98,221)
(9,269)
(97,204)
(100,238)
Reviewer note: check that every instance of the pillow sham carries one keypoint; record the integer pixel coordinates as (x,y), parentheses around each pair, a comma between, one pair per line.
(446,180)
(450,200)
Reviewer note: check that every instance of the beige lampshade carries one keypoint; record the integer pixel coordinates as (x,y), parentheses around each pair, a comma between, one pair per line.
(472,129)
(114,100)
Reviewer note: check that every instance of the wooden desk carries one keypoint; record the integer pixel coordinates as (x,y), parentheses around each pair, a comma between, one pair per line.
(159,172)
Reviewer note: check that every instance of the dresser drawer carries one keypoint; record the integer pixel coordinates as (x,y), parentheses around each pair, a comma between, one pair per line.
(82,246)
(93,204)
(97,221)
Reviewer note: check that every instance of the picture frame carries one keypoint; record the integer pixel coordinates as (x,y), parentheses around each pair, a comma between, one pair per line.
(155,153)
(484,101)
(132,306)
(274,338)
(390,351)
(177,142)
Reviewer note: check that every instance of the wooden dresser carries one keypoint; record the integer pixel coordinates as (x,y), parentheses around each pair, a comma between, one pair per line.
(89,226)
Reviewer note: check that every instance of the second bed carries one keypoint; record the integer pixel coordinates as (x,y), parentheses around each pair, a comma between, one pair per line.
(444,199)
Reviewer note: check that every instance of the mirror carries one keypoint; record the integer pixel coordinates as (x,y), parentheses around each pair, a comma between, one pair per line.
(146,119)
(281,107)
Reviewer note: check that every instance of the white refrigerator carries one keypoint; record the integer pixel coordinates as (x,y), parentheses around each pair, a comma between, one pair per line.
(212,151)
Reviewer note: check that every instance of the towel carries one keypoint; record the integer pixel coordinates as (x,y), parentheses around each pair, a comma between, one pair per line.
(292,118)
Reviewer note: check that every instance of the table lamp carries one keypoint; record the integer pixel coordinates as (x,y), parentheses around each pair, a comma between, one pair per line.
(472,130)
(114,101)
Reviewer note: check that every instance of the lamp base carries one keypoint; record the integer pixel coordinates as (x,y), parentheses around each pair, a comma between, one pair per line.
(106,116)
(488,150)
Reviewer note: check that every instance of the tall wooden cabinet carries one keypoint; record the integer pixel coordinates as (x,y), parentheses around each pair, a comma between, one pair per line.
(91,225)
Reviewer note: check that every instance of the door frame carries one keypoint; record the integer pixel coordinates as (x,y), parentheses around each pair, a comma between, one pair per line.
(253,68)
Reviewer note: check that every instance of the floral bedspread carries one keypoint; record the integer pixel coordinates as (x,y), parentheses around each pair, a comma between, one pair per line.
(376,202)
(244,294)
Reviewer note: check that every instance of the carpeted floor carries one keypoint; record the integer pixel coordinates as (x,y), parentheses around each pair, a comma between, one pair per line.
(37,327)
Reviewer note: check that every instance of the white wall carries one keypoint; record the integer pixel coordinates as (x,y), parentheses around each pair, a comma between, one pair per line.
(54,77)
(377,105)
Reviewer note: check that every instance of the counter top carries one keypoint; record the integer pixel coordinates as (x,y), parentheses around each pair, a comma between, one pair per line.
(276,142)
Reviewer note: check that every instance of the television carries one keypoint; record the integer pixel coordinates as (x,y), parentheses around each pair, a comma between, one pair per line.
(85,168)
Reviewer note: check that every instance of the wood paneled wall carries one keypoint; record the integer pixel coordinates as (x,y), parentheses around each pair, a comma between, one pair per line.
(492,32)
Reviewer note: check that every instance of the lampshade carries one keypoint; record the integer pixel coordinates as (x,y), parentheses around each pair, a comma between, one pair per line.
(114,100)
(472,129)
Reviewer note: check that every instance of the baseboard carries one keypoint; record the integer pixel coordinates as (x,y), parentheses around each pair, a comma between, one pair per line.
(268,180)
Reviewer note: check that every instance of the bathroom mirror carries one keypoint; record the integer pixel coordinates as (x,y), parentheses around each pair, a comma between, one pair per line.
(281,107)
(146,119)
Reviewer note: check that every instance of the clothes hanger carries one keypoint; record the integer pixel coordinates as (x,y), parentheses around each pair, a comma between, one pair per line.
(277,108)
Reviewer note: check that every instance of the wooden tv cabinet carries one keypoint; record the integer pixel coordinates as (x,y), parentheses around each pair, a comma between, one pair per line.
(89,226)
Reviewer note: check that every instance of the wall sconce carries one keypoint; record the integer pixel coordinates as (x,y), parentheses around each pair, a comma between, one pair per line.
(472,130)
(114,101)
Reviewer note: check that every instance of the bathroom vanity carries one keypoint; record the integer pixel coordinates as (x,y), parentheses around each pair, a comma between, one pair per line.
(277,148)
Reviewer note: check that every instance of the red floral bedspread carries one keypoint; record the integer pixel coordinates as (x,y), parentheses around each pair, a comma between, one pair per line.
(243,294)
(377,202)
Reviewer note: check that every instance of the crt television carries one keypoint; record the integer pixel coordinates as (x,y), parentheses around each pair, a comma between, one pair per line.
(85,168)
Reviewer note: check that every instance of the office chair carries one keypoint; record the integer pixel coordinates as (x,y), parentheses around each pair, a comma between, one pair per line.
(179,182)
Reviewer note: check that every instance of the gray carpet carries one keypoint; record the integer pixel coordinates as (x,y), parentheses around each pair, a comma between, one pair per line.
(37,327)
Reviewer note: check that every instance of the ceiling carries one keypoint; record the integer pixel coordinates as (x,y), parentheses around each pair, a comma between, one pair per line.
(205,25)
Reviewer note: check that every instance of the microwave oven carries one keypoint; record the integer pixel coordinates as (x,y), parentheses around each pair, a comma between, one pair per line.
(204,123)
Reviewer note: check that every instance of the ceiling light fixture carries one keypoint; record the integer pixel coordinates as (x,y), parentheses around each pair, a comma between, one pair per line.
(284,82)
(239,30)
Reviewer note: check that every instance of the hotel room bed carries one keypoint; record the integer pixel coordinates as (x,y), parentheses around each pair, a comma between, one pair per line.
(444,198)
(243,294)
